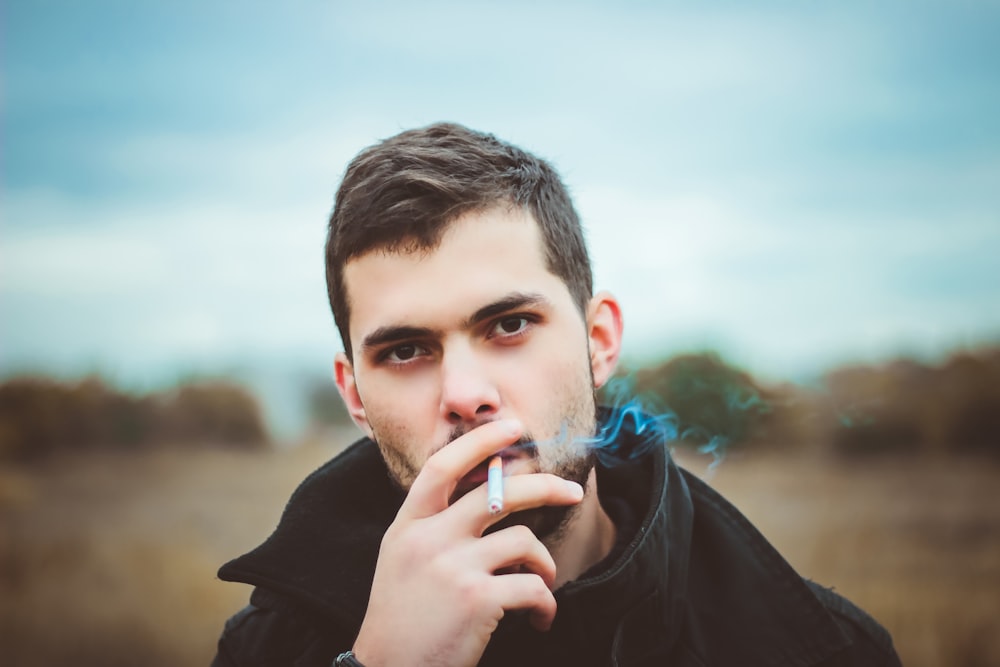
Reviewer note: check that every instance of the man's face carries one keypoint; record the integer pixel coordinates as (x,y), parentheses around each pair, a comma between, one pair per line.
(472,331)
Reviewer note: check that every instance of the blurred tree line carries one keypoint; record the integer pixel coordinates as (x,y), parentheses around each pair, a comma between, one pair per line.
(901,407)
(904,406)
(40,416)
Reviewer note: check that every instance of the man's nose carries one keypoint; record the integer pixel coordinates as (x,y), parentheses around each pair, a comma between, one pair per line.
(468,394)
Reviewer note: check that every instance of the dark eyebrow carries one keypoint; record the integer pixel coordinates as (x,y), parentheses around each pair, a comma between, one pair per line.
(510,302)
(386,335)
(392,334)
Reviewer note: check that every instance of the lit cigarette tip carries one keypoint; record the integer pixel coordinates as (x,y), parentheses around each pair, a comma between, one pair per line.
(494,485)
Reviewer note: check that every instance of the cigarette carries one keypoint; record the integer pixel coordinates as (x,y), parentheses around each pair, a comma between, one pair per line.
(494,486)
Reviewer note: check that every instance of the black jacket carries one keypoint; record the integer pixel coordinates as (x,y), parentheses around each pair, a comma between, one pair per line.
(692,583)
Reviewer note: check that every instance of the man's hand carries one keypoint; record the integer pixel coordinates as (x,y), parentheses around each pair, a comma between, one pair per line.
(437,596)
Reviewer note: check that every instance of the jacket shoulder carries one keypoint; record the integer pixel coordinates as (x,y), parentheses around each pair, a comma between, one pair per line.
(312,575)
(870,642)
(738,580)
(322,554)
(270,631)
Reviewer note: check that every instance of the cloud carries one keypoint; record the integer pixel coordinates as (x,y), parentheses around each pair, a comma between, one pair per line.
(133,283)
(790,183)
(779,290)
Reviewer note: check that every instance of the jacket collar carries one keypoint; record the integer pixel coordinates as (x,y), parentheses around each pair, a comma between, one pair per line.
(746,605)
(648,578)
(323,552)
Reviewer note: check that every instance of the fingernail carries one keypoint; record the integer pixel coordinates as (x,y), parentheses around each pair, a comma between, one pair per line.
(574,488)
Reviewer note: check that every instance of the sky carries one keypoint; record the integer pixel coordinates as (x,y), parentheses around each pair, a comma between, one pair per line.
(795,185)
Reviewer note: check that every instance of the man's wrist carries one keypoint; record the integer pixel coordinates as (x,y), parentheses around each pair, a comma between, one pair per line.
(347,659)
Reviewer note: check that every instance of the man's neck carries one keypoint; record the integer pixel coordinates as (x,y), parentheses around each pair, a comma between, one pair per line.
(586,540)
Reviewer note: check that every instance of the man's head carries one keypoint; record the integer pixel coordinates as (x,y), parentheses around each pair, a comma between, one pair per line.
(402,193)
(473,313)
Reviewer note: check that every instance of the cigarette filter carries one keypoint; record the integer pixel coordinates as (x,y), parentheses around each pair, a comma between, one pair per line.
(494,485)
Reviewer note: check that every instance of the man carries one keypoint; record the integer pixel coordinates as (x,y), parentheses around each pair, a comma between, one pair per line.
(461,286)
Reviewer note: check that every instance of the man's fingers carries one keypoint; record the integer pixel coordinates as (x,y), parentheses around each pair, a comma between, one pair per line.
(440,474)
(528,592)
(518,547)
(521,492)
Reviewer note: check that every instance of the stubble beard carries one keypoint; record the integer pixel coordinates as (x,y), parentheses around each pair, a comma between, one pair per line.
(565,454)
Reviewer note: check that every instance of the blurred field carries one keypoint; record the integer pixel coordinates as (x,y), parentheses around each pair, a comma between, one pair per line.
(110,559)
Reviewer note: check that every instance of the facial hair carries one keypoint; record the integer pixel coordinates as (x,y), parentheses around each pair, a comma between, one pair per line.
(561,455)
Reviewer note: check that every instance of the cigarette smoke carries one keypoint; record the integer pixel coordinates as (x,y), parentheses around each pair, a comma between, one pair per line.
(636,422)
(629,424)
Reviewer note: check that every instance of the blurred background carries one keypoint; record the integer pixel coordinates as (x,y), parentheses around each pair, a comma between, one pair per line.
(798,206)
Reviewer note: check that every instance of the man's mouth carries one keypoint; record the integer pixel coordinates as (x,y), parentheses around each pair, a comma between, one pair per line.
(512,456)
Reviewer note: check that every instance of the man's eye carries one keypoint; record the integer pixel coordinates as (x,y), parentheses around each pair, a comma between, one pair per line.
(403,353)
(510,325)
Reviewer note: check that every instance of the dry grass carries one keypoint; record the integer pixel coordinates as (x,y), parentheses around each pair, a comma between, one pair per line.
(111,560)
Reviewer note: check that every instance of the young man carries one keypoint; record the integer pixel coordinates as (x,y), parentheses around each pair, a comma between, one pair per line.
(460,283)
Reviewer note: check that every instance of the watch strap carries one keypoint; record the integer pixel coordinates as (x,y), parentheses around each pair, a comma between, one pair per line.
(347,659)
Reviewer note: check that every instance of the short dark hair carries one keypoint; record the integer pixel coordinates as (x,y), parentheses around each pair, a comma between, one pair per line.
(401,194)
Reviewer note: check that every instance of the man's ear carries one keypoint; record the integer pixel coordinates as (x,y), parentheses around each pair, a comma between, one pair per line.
(343,373)
(604,328)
